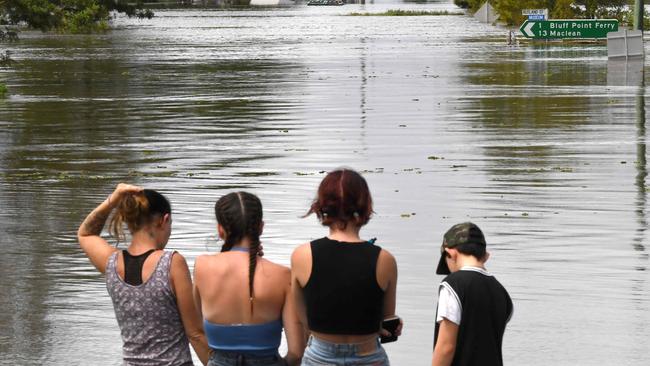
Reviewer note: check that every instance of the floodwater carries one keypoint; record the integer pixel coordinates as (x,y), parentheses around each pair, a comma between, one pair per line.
(543,146)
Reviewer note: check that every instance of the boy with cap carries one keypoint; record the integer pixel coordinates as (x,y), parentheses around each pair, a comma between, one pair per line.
(473,307)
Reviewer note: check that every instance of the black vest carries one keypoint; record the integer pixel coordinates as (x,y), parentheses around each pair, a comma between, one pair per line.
(342,295)
(486,308)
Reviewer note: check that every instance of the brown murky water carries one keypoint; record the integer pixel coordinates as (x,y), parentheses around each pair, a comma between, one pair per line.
(543,145)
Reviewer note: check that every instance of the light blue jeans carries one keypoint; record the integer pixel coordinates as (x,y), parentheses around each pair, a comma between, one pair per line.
(322,353)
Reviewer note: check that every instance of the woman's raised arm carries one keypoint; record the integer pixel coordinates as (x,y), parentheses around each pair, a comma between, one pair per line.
(95,247)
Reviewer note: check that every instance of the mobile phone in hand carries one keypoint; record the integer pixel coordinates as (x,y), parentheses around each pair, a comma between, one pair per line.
(390,324)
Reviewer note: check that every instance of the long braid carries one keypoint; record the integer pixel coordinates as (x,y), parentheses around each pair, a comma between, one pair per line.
(254,221)
(240,214)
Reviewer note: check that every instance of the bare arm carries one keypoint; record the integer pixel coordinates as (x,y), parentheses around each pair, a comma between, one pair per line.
(293,328)
(300,272)
(95,247)
(195,289)
(182,286)
(387,279)
(445,347)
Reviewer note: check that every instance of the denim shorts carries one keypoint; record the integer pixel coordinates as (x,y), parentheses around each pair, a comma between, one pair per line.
(323,353)
(227,358)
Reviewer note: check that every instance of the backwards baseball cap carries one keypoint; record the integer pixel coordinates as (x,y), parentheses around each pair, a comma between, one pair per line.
(459,234)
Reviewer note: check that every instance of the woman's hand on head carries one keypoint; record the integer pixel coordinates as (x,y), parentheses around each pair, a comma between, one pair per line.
(122,190)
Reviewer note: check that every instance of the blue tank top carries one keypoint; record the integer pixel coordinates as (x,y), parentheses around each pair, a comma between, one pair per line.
(258,339)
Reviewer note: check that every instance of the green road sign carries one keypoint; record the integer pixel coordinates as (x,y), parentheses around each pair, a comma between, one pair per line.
(569,28)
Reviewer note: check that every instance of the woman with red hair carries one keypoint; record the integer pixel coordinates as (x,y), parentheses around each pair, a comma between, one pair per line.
(344,286)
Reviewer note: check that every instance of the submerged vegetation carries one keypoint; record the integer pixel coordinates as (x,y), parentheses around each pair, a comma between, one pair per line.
(68,16)
(5,59)
(399,12)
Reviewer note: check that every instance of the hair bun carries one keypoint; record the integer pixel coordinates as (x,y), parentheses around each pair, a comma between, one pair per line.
(136,210)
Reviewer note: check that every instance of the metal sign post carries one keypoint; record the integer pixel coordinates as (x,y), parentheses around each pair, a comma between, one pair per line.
(638,15)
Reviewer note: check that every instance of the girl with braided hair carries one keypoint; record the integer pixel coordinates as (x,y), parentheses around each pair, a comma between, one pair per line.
(244,299)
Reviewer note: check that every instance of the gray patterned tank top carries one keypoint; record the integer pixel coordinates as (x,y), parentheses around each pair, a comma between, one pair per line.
(151,327)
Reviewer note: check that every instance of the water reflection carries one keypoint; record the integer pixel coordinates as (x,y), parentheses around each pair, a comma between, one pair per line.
(535,143)
(642,173)
(527,103)
(560,128)
(85,114)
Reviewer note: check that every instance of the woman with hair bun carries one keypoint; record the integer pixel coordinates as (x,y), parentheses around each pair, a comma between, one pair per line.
(245,299)
(344,286)
(151,288)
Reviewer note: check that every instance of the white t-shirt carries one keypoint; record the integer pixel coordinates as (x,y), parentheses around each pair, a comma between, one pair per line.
(449,306)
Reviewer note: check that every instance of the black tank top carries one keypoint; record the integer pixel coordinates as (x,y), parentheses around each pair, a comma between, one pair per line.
(133,266)
(342,295)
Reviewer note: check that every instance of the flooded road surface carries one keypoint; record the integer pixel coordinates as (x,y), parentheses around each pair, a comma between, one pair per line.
(543,146)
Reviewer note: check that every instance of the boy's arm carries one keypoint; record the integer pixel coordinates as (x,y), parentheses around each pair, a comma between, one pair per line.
(445,347)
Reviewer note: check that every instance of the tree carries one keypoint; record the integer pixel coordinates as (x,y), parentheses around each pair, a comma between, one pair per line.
(596,7)
(510,10)
(563,9)
(74,16)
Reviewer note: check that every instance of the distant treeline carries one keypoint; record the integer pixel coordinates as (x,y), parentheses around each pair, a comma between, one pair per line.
(71,16)
(510,10)
(87,16)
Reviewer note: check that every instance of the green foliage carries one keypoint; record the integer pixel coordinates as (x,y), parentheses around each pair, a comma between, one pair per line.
(400,12)
(87,18)
(563,9)
(70,16)
(626,16)
(599,8)
(3,90)
(510,10)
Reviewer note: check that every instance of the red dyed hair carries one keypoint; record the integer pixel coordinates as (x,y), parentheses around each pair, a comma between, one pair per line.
(343,197)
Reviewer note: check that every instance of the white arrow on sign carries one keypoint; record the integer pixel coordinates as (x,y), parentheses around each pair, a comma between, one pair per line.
(528,29)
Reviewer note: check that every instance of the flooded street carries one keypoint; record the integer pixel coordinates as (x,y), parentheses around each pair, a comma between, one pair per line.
(542,145)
